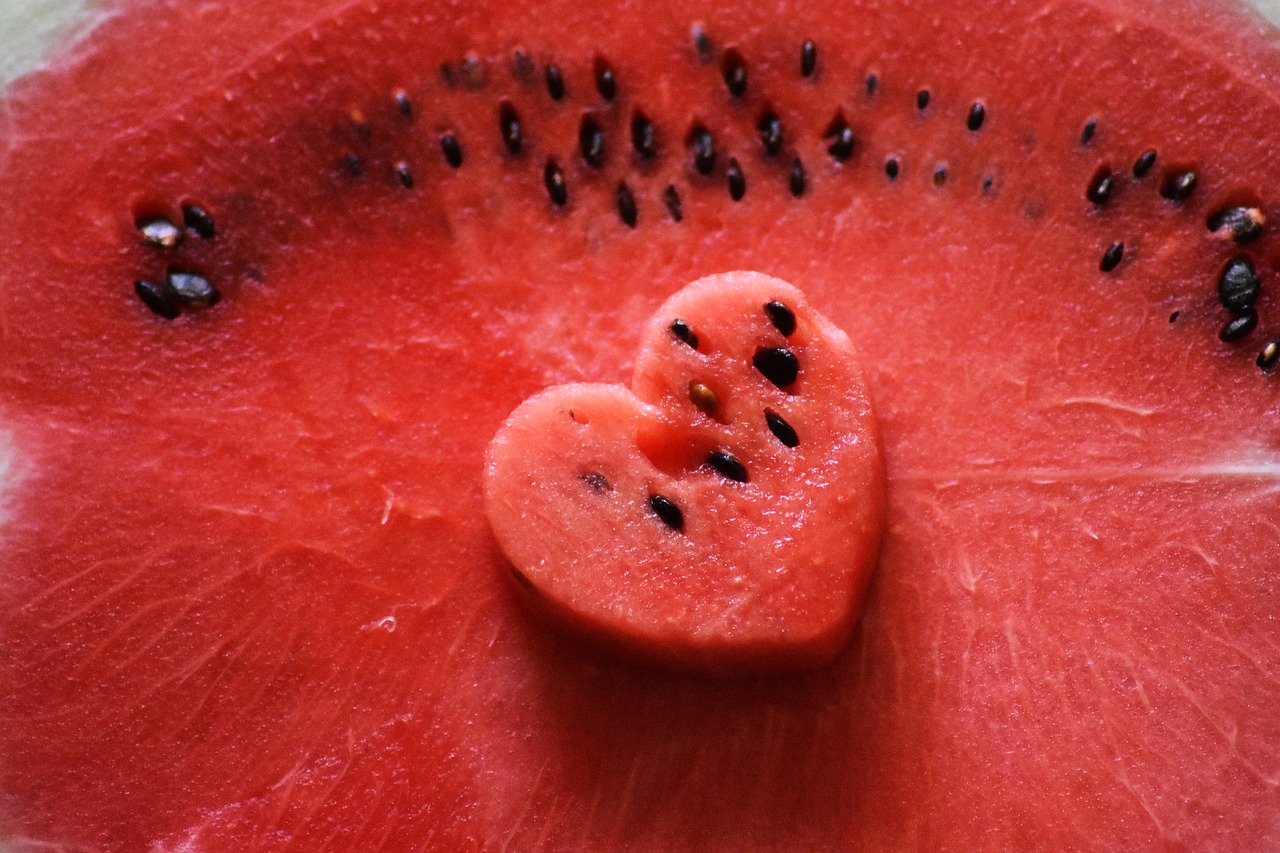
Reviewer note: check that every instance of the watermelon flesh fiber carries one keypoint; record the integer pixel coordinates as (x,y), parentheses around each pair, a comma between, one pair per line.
(249,597)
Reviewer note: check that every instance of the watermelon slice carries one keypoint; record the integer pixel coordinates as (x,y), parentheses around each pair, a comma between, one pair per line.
(249,597)
(680,526)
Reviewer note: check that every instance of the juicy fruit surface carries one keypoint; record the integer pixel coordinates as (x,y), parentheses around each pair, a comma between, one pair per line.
(736,575)
(249,597)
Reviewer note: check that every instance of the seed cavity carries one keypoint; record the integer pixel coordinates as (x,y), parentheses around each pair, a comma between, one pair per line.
(606,82)
(626,203)
(1238,286)
(451,149)
(353,164)
(1100,185)
(1178,186)
(840,139)
(159,231)
(667,512)
(158,299)
(922,100)
(591,141)
(782,317)
(734,70)
(737,180)
(1089,130)
(671,198)
(1238,328)
(404,175)
(192,290)
(704,398)
(728,465)
(509,125)
(892,168)
(199,220)
(781,430)
(596,481)
(521,65)
(777,364)
(1270,355)
(553,178)
(643,135)
(403,105)
(871,84)
(1111,257)
(808,58)
(977,116)
(684,332)
(769,127)
(701,41)
(555,82)
(1238,224)
(1146,160)
(703,146)
(796,180)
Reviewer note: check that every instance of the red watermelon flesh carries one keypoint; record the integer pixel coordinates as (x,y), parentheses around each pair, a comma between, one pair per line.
(724,513)
(249,597)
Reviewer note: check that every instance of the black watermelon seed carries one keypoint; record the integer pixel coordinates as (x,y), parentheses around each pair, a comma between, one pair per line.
(509,125)
(808,58)
(1111,257)
(1179,186)
(782,317)
(841,139)
(988,185)
(704,149)
(403,105)
(796,181)
(199,220)
(159,231)
(353,164)
(728,465)
(737,180)
(644,137)
(872,84)
(1238,287)
(452,150)
(778,364)
(977,115)
(192,289)
(1238,224)
(553,178)
(606,82)
(671,198)
(667,511)
(1173,318)
(770,129)
(1088,131)
(404,175)
(555,82)
(1143,164)
(1100,186)
(891,168)
(684,332)
(160,300)
(591,141)
(1270,354)
(701,41)
(596,481)
(781,430)
(922,100)
(940,176)
(1239,327)
(734,70)
(626,205)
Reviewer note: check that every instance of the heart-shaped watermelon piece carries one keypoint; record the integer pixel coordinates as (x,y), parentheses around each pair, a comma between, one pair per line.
(725,514)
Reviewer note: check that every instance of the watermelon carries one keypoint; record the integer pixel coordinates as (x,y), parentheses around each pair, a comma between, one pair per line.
(250,597)
(679,526)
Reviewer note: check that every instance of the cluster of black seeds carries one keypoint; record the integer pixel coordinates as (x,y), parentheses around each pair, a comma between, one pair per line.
(705,162)
(778,365)
(180,290)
